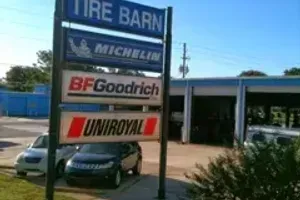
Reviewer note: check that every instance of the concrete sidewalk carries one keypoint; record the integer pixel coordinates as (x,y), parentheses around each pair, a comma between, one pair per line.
(147,188)
(5,119)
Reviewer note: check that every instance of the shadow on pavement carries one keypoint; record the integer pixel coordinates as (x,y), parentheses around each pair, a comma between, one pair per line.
(133,188)
(7,144)
(147,188)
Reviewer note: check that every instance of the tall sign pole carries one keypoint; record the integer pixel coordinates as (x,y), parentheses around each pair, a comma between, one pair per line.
(87,47)
(165,107)
(55,100)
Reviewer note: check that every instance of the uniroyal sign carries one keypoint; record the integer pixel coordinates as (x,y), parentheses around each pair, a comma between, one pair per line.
(78,127)
(82,87)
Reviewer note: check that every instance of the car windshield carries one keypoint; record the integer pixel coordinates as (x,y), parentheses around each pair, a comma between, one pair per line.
(41,142)
(100,148)
(258,138)
(284,140)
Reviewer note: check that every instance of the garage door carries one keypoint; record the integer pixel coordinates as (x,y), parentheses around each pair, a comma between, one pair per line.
(177,91)
(215,91)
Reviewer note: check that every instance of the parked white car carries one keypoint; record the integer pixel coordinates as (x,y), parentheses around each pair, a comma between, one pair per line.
(34,158)
(278,135)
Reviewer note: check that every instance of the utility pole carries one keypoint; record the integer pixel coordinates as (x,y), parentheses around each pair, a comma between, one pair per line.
(184,69)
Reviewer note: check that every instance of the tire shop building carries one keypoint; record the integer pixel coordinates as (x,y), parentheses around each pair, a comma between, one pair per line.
(216,110)
(202,110)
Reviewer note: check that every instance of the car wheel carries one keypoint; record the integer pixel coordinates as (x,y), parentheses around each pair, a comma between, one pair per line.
(21,173)
(60,169)
(138,167)
(70,182)
(116,179)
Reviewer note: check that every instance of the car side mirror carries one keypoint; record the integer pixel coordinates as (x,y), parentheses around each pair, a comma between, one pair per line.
(28,145)
(124,149)
(77,148)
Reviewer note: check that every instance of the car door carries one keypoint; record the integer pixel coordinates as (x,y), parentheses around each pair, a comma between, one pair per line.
(125,155)
(133,154)
(67,151)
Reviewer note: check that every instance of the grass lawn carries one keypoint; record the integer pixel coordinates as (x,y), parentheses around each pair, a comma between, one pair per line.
(17,189)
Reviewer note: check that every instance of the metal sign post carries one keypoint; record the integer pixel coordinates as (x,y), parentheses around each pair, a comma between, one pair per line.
(165,107)
(55,100)
(85,47)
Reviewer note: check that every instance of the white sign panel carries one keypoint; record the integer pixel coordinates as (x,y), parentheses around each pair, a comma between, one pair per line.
(81,127)
(82,87)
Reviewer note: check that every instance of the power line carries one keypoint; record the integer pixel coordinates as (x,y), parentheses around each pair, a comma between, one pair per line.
(15,64)
(197,47)
(24,11)
(252,58)
(24,37)
(215,51)
(40,14)
(25,24)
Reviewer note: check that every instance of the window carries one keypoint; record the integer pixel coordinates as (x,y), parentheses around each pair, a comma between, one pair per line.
(258,138)
(41,142)
(284,140)
(101,148)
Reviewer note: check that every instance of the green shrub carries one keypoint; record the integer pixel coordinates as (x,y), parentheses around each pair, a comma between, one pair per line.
(261,172)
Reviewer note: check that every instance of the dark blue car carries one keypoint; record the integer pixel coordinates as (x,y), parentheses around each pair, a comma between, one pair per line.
(103,162)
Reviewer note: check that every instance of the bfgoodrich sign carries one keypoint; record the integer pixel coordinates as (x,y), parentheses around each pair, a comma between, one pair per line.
(82,87)
(111,51)
(77,127)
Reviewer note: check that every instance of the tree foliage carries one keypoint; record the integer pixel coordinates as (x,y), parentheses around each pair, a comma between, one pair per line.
(24,78)
(44,62)
(252,73)
(3,84)
(265,171)
(295,71)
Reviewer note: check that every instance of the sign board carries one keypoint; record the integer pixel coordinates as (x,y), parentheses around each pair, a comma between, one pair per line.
(111,51)
(84,87)
(119,15)
(81,127)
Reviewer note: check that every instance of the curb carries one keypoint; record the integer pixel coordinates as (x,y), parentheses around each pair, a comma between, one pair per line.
(77,190)
(6,167)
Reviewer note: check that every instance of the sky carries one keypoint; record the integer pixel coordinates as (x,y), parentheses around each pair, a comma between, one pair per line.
(223,37)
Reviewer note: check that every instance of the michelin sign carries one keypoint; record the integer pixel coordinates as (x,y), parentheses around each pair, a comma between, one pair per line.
(99,49)
(119,15)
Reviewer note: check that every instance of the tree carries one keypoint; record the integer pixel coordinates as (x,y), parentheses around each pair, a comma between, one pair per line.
(295,71)
(44,62)
(125,72)
(252,73)
(24,78)
(3,84)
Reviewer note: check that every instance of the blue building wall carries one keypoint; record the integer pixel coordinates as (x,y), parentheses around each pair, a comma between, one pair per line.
(42,89)
(24,104)
(37,104)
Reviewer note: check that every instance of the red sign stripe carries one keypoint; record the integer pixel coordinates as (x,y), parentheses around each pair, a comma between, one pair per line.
(76,127)
(150,126)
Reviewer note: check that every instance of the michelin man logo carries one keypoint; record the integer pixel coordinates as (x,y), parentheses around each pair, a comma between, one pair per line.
(82,50)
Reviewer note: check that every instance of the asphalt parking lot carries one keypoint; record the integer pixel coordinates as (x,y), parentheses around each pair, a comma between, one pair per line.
(15,135)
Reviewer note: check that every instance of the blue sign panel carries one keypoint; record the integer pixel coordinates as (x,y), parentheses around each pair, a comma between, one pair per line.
(111,51)
(119,15)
